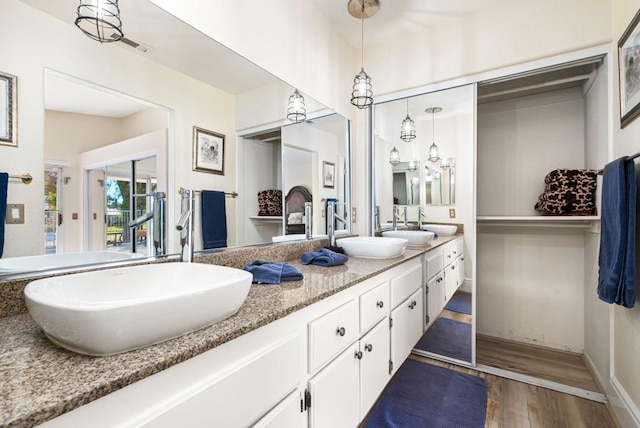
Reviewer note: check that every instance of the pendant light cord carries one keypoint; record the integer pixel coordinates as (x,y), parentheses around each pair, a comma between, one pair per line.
(362,36)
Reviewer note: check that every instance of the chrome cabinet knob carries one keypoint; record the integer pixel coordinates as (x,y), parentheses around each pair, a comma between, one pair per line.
(358,355)
(380,303)
(341,331)
(368,347)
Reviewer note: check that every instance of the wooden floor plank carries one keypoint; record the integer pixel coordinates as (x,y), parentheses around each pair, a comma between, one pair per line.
(549,364)
(513,404)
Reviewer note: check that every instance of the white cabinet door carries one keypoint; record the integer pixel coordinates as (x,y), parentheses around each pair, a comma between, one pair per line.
(406,328)
(374,365)
(286,414)
(460,269)
(435,297)
(450,281)
(434,262)
(335,392)
(374,305)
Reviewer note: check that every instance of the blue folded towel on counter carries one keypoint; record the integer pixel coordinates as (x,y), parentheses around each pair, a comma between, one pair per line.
(616,279)
(324,257)
(273,272)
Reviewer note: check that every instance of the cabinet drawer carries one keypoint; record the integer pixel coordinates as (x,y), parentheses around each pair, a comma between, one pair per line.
(374,305)
(331,333)
(434,263)
(405,284)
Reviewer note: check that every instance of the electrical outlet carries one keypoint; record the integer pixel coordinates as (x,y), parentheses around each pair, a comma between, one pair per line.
(452,213)
(353,214)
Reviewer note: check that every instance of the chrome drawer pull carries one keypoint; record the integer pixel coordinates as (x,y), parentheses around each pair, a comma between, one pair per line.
(368,347)
(341,331)
(358,355)
(380,303)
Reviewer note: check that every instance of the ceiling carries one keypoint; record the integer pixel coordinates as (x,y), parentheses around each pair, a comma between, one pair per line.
(186,50)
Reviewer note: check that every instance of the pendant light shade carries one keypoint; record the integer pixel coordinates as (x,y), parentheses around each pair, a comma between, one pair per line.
(408,129)
(100,20)
(362,93)
(296,110)
(412,166)
(394,157)
(434,153)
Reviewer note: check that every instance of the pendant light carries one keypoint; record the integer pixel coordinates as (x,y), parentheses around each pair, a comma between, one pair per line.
(434,153)
(394,157)
(412,166)
(296,110)
(408,129)
(100,20)
(362,94)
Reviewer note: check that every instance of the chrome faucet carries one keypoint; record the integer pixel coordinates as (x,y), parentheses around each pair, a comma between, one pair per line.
(405,217)
(156,219)
(394,220)
(185,225)
(308,220)
(421,215)
(376,216)
(331,215)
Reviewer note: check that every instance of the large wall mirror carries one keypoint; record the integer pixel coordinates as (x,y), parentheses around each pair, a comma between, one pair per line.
(116,108)
(414,174)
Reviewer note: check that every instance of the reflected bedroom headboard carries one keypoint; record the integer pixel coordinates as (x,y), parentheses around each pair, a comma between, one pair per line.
(294,203)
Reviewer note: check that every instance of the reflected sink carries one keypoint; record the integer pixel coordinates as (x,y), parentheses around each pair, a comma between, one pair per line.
(416,238)
(441,229)
(116,310)
(373,247)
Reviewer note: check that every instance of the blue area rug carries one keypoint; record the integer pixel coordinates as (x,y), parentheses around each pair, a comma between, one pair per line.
(460,302)
(448,337)
(423,395)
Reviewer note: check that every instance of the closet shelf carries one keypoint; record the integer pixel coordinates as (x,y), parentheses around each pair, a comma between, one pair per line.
(267,219)
(586,222)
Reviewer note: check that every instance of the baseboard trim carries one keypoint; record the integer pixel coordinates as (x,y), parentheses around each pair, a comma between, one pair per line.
(624,408)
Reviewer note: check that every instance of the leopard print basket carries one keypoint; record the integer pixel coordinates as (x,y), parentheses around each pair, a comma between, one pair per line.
(270,202)
(569,192)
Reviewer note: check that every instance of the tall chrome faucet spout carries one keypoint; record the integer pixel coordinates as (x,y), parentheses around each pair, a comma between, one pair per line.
(331,215)
(156,230)
(308,220)
(185,225)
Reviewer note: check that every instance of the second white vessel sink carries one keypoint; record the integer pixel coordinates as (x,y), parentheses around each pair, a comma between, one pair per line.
(441,229)
(416,238)
(116,310)
(373,247)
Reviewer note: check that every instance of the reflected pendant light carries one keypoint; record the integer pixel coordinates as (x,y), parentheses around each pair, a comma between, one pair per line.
(100,20)
(394,157)
(434,153)
(362,94)
(412,166)
(296,111)
(408,129)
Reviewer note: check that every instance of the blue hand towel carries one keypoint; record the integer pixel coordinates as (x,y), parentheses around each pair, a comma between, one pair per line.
(273,272)
(4,180)
(616,277)
(214,219)
(324,257)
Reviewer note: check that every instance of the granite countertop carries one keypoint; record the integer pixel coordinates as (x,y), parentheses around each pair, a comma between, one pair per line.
(41,380)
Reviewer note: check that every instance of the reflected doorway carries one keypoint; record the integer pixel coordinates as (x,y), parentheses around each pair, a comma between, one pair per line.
(52,209)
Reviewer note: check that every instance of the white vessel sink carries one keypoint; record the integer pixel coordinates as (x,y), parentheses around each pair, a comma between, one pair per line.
(116,310)
(294,237)
(373,247)
(416,238)
(441,229)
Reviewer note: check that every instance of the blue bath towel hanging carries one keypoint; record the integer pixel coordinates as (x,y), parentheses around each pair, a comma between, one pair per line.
(616,279)
(214,219)
(4,180)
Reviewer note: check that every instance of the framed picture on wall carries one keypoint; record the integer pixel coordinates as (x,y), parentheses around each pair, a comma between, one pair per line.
(629,68)
(328,174)
(208,151)
(8,110)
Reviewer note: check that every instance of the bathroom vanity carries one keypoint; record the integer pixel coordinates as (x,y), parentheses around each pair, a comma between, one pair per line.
(316,352)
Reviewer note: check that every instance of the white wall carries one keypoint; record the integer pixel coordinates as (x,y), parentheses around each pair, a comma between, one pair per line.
(625,372)
(192,103)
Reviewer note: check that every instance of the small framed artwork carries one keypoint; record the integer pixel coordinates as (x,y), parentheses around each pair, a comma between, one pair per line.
(8,110)
(208,151)
(328,174)
(629,69)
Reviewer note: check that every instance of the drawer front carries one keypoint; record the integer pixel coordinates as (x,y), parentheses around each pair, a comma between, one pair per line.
(331,333)
(374,305)
(405,284)
(434,263)
(459,247)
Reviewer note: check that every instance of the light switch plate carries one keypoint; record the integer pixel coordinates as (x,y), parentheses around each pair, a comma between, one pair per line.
(15,214)
(353,214)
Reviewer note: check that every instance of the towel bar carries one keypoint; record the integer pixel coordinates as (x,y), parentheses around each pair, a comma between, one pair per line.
(232,194)
(26,177)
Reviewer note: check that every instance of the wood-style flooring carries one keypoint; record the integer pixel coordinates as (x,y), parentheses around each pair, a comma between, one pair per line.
(516,404)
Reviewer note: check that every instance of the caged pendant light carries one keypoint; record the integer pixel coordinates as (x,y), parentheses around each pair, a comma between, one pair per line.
(434,153)
(362,94)
(296,110)
(394,157)
(100,20)
(408,129)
